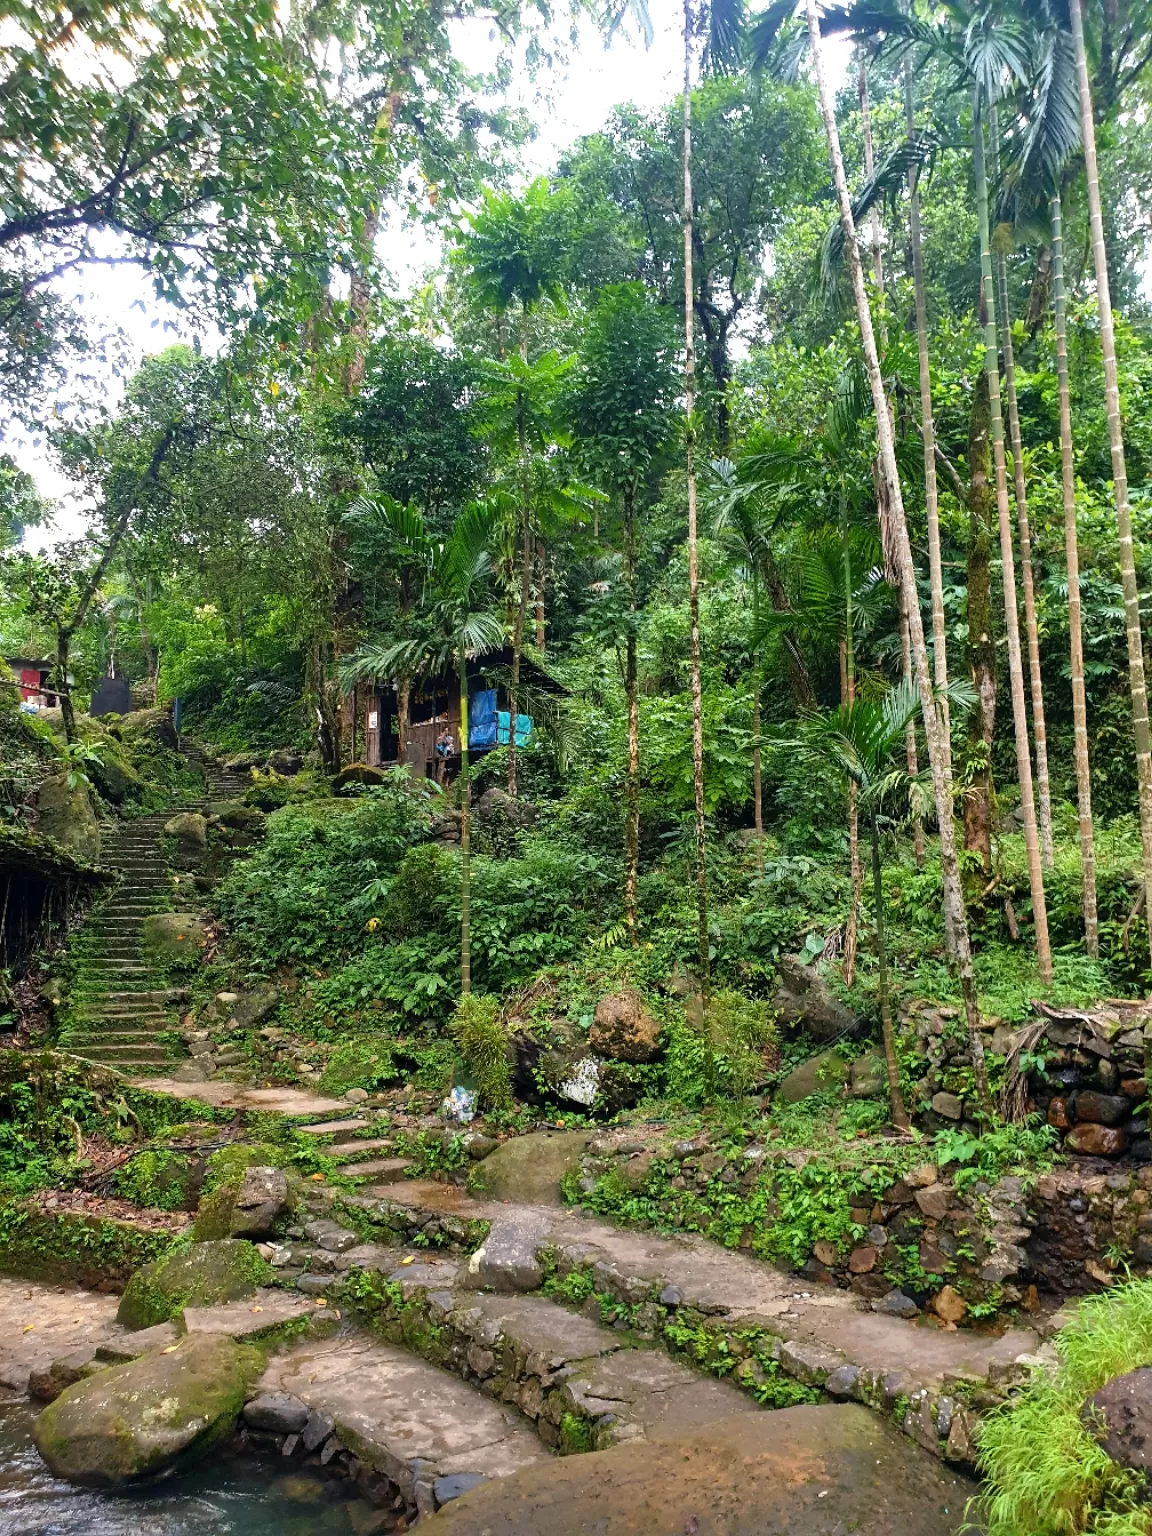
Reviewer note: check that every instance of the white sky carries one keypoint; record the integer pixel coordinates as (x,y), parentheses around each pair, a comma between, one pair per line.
(574,99)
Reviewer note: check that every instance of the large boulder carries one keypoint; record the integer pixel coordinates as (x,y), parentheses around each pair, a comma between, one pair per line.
(359,773)
(623,1028)
(1120,1417)
(261,1201)
(805,999)
(190,831)
(203,1275)
(252,1008)
(149,1416)
(498,806)
(236,816)
(285,760)
(114,776)
(66,816)
(155,724)
(528,1169)
(819,1073)
(173,938)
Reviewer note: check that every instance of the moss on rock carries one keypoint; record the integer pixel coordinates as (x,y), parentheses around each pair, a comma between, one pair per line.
(150,1416)
(203,1275)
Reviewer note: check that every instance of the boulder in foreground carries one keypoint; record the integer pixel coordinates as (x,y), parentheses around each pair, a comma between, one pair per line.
(149,1417)
(204,1275)
(796,1472)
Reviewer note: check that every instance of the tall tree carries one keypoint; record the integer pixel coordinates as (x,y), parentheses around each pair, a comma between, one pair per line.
(1136,677)
(985,75)
(622,408)
(460,627)
(513,253)
(1020,490)
(941,777)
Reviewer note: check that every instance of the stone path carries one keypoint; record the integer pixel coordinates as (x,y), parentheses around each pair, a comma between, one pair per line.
(292,1102)
(406,1418)
(39,1323)
(720,1281)
(122,1008)
(798,1472)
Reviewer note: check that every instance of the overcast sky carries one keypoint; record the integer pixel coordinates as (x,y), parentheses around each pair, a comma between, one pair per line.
(573,99)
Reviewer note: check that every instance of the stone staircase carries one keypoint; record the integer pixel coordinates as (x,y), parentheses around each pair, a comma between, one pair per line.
(120,1009)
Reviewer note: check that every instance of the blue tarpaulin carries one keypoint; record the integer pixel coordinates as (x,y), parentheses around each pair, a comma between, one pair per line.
(482,719)
(503,723)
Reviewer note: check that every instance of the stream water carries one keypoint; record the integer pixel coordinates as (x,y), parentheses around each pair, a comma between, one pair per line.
(225,1494)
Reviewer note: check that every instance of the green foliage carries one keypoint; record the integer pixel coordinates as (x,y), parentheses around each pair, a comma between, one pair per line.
(63,1246)
(300,896)
(156,1177)
(1045,1473)
(482,1036)
(1029,1150)
(359,1063)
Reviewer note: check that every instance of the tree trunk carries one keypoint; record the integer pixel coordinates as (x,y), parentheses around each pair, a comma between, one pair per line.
(757,685)
(465,846)
(981,642)
(541,577)
(359,304)
(526,546)
(63,688)
(895,1098)
(911,759)
(1007,554)
(1072,559)
(928,431)
(693,567)
(1136,678)
(403,710)
(632,817)
(855,869)
(953,896)
(1031,632)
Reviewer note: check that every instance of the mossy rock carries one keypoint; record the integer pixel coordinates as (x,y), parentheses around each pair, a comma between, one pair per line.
(173,938)
(150,1416)
(214,1213)
(160,1178)
(114,776)
(816,1075)
(152,724)
(66,816)
(528,1169)
(227,1165)
(204,1275)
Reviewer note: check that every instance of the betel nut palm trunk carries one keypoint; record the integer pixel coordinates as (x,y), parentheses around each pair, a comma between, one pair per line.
(1007,553)
(693,564)
(1072,561)
(1136,678)
(953,897)
(1020,490)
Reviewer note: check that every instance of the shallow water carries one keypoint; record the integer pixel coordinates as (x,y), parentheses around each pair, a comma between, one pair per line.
(221,1495)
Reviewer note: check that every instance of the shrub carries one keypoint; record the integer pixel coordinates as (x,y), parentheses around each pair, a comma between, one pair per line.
(479,1031)
(366,1063)
(1046,1474)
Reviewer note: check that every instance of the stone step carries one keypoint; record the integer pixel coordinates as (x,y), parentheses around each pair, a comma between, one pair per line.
(350,1150)
(385,1170)
(583,1385)
(421,1427)
(332,1127)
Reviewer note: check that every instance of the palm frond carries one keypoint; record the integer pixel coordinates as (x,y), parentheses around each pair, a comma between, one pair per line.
(392,658)
(614,17)
(725,40)
(1052,112)
(882,187)
(480,633)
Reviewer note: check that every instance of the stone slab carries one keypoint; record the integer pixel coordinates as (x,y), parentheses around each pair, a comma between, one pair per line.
(528,1169)
(796,1472)
(242,1320)
(225,1095)
(332,1127)
(408,1419)
(507,1261)
(39,1323)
